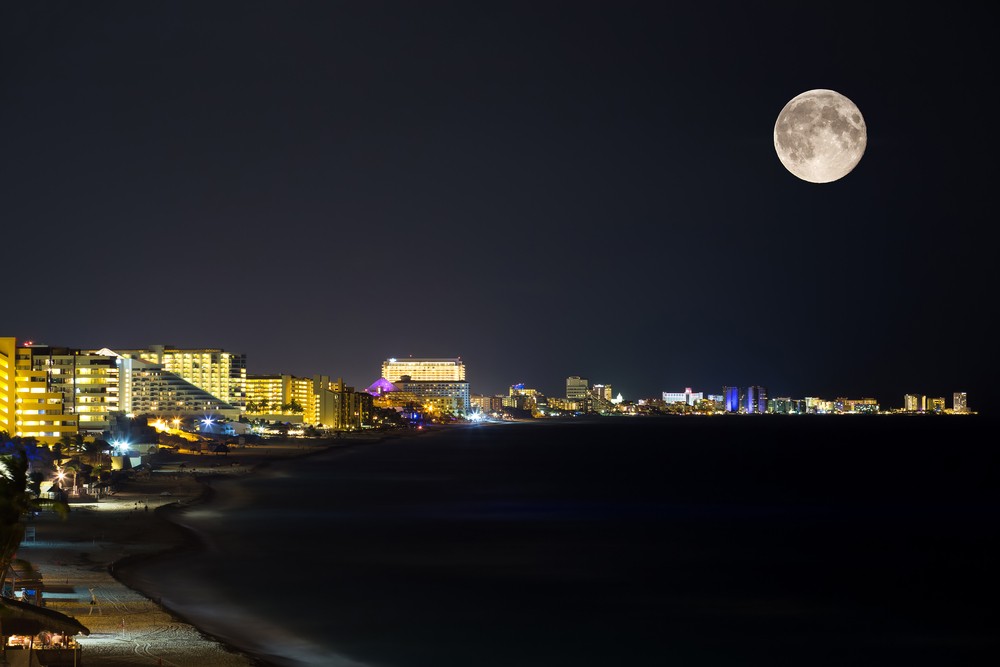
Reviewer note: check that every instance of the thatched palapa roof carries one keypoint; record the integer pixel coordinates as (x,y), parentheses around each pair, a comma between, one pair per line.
(23,618)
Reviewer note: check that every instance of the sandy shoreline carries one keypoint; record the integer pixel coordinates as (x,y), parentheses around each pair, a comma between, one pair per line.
(93,550)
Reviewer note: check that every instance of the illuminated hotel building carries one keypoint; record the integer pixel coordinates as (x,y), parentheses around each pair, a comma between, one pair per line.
(146,388)
(87,382)
(960,402)
(339,406)
(446,397)
(323,402)
(576,388)
(435,382)
(222,374)
(420,370)
(786,406)
(267,394)
(687,396)
(556,403)
(487,404)
(914,403)
(29,408)
(603,391)
(859,405)
(522,398)
(936,404)
(8,395)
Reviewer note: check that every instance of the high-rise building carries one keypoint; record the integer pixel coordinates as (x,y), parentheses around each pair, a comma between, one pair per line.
(960,402)
(576,388)
(146,388)
(88,382)
(732,397)
(29,406)
(756,400)
(338,406)
(603,391)
(915,403)
(435,382)
(936,404)
(281,394)
(222,374)
(419,370)
(8,393)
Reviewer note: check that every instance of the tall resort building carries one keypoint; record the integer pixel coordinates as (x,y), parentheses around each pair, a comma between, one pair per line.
(439,382)
(30,405)
(576,388)
(419,370)
(960,402)
(86,381)
(732,397)
(273,394)
(215,371)
(756,397)
(322,401)
(915,403)
(147,388)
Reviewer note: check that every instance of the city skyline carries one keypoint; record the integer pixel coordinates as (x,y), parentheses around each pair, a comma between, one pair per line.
(217,372)
(582,189)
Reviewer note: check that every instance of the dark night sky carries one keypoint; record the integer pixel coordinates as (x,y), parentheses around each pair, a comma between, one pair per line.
(544,189)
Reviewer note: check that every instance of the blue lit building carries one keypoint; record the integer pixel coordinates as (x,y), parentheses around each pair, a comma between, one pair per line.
(731,395)
(756,400)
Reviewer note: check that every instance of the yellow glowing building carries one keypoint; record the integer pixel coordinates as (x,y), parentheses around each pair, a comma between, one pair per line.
(424,370)
(29,406)
(274,394)
(8,399)
(323,402)
(222,374)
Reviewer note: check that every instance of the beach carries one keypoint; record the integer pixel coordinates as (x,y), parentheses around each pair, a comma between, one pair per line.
(86,557)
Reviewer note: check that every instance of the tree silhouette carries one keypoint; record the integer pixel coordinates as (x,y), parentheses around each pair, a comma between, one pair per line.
(16,501)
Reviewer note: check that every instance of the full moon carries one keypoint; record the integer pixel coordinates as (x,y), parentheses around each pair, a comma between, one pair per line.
(820,136)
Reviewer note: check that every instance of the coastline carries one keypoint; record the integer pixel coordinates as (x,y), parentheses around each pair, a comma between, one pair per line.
(100,548)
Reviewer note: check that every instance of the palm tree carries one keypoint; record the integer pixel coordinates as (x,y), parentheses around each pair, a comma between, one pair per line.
(96,449)
(16,501)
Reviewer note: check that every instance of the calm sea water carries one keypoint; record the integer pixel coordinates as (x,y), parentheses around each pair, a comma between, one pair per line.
(723,541)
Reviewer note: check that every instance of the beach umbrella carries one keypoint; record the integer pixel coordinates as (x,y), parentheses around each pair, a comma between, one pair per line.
(23,618)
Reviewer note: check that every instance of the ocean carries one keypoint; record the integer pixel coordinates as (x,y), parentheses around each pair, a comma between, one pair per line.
(689,541)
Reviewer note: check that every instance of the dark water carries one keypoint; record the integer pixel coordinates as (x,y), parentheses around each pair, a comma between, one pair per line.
(692,541)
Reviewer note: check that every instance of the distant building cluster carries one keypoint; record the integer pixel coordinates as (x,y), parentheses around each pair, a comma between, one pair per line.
(583,398)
